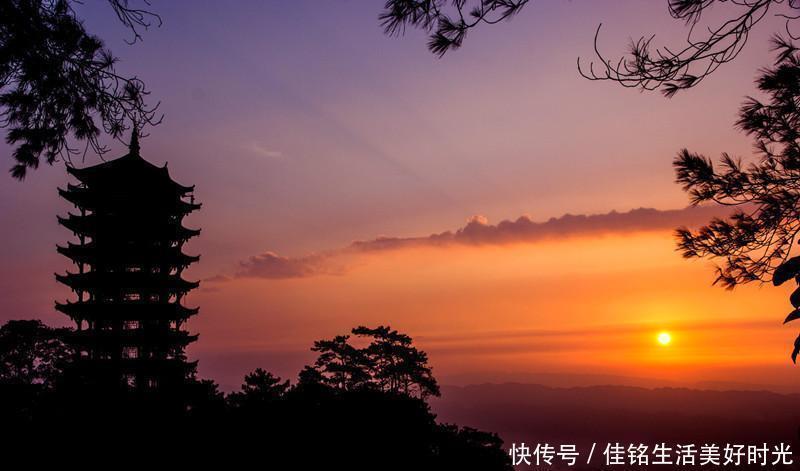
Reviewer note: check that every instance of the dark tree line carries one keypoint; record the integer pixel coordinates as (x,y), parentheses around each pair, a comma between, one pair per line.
(32,353)
(32,357)
(363,408)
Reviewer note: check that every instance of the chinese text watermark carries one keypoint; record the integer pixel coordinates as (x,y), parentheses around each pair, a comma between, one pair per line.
(639,454)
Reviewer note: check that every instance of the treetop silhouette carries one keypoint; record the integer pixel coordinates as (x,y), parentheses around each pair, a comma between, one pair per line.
(388,364)
(32,353)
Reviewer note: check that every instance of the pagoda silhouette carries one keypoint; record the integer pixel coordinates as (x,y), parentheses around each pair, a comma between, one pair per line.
(129,314)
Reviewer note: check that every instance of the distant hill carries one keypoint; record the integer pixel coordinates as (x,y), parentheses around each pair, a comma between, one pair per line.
(581,415)
(570,380)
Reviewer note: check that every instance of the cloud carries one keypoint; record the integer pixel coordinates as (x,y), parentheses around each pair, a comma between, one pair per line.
(273,266)
(478,231)
(260,149)
(217,279)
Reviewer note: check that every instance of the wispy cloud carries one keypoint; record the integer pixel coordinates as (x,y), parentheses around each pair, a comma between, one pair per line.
(217,279)
(478,231)
(264,151)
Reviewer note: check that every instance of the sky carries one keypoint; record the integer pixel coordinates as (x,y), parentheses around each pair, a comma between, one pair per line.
(326,154)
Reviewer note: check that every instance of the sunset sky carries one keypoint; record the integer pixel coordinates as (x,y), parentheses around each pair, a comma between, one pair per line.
(326,154)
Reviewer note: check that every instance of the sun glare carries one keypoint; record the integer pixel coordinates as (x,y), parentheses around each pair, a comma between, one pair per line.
(664,338)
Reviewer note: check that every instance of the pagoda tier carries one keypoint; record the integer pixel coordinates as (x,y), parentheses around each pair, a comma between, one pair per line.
(168,368)
(121,283)
(145,375)
(94,198)
(167,229)
(91,254)
(145,337)
(134,310)
(144,365)
(129,313)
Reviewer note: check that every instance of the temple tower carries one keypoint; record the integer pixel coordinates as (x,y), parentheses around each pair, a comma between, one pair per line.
(129,314)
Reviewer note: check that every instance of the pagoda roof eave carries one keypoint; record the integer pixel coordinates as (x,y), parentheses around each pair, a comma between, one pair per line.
(127,164)
(126,311)
(125,280)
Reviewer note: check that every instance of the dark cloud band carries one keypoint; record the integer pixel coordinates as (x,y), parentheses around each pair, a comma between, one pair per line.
(478,231)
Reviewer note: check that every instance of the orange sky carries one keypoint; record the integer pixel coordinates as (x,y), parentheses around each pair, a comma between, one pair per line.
(578,304)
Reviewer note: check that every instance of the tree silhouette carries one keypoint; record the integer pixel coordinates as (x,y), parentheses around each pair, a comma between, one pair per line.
(707,47)
(356,408)
(342,365)
(447,21)
(58,83)
(396,366)
(756,241)
(375,417)
(646,67)
(388,364)
(260,387)
(32,361)
(32,353)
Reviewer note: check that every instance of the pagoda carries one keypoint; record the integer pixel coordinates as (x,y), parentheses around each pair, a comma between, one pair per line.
(129,314)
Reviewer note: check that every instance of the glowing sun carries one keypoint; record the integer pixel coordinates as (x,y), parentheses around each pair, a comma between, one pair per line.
(664,338)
